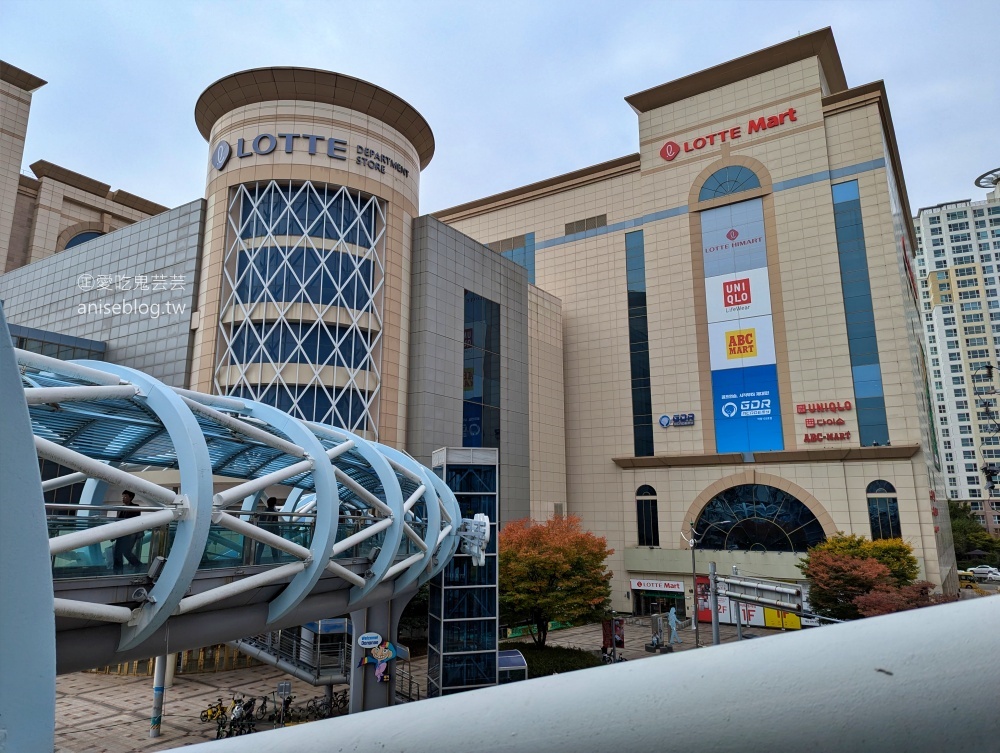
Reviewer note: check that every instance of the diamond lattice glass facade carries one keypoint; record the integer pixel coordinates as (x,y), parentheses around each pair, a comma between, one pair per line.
(302,304)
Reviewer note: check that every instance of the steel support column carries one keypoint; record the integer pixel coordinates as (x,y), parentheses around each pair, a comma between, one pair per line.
(27,620)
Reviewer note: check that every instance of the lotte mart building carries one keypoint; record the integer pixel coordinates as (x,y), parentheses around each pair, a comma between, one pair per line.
(720,329)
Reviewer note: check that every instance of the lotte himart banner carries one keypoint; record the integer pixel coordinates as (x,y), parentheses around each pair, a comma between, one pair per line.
(745,400)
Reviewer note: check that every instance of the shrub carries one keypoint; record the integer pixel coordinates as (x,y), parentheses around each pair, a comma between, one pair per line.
(552,659)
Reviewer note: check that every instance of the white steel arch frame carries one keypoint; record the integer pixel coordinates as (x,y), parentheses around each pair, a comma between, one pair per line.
(108,423)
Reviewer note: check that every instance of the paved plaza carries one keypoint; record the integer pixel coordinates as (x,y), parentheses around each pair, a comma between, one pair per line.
(97,713)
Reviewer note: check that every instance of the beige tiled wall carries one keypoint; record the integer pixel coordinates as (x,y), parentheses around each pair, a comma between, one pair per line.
(15,104)
(399,192)
(588,276)
(546,405)
(61,206)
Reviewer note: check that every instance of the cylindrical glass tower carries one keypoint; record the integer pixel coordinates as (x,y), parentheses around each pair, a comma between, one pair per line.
(302,301)
(304,292)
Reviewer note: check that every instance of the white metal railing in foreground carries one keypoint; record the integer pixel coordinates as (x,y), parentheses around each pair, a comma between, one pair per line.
(918,681)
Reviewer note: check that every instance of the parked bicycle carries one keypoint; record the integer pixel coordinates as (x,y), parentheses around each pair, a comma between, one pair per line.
(263,711)
(322,707)
(213,712)
(234,722)
(340,700)
(286,714)
(318,708)
(612,658)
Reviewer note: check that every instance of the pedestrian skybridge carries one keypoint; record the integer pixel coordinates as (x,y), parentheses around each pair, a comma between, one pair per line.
(360,523)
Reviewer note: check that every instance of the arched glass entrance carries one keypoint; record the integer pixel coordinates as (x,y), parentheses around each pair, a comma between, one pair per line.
(757,517)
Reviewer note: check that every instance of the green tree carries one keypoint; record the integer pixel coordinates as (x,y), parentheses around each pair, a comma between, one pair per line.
(968,532)
(895,554)
(552,571)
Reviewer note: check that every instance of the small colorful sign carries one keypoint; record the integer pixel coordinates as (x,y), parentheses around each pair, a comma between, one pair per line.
(369,640)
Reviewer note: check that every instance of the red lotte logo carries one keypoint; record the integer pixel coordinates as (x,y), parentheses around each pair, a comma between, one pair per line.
(733,234)
(670,150)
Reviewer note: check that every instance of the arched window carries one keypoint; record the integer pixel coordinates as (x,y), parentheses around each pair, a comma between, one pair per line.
(883,510)
(728,180)
(757,517)
(646,516)
(83,237)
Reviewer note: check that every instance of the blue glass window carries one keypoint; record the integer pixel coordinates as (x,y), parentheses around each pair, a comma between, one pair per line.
(462,572)
(79,238)
(470,602)
(728,180)
(306,209)
(470,635)
(476,478)
(873,425)
(883,510)
(481,373)
(647,519)
(299,342)
(524,256)
(304,274)
(463,670)
(757,517)
(638,341)
(344,408)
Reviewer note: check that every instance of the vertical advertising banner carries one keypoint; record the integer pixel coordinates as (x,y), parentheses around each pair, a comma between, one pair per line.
(740,330)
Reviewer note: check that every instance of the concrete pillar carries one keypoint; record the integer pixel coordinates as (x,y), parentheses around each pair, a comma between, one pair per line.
(168,681)
(159,675)
(383,618)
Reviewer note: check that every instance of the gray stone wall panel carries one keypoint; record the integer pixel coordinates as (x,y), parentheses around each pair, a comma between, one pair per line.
(56,295)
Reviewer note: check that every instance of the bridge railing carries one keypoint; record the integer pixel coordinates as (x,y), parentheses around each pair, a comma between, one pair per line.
(224,548)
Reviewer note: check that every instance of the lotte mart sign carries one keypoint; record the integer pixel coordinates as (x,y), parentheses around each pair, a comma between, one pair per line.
(641,584)
(672,149)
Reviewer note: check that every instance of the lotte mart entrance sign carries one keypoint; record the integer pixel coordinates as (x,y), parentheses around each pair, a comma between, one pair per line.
(740,331)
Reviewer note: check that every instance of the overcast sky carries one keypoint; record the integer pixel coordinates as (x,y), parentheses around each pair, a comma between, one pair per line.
(514,91)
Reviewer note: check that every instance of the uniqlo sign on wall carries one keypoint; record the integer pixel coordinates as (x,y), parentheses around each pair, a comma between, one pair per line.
(746,404)
(736,292)
(737,295)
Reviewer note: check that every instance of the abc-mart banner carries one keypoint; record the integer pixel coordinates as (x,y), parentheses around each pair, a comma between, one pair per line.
(740,331)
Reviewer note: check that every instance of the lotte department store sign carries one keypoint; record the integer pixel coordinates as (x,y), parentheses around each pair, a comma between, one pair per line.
(337,149)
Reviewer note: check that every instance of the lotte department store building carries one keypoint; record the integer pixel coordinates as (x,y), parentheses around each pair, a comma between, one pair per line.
(721,329)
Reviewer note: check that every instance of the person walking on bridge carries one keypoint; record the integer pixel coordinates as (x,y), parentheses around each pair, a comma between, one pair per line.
(125,544)
(268,521)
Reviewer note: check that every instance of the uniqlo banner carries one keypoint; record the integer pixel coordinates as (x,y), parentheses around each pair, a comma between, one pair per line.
(745,399)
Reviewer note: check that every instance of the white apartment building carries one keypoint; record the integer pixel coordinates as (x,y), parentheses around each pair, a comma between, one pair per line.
(958,263)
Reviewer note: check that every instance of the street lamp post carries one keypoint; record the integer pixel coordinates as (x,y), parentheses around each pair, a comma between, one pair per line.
(694,587)
(693,542)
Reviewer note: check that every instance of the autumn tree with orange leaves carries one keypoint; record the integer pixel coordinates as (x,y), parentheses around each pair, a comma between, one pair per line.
(851,577)
(552,571)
